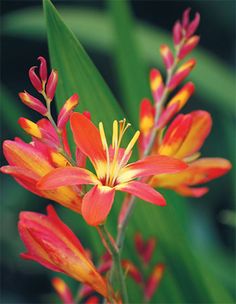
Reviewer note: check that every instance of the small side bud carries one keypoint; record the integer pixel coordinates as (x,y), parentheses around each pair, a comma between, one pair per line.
(51,85)
(132,271)
(185,18)
(182,72)
(188,47)
(33,102)
(62,290)
(43,69)
(193,26)
(66,110)
(154,281)
(36,82)
(30,127)
(167,56)
(157,85)
(177,33)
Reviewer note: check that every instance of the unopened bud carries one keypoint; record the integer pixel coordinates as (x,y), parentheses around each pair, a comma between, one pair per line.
(36,82)
(188,46)
(66,110)
(51,85)
(167,56)
(177,33)
(43,69)
(33,102)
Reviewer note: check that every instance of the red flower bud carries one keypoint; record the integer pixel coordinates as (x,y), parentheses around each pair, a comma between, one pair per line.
(167,56)
(193,26)
(185,18)
(154,281)
(188,46)
(36,82)
(33,102)
(177,33)
(43,69)
(51,85)
(62,290)
(66,110)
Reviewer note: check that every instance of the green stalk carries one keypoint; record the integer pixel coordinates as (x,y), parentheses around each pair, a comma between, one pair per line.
(116,268)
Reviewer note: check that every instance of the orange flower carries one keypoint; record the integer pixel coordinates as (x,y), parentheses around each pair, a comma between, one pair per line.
(52,244)
(112,171)
(183,140)
(28,163)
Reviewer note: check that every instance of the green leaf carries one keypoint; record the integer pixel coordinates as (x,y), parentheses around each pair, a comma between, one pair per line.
(76,71)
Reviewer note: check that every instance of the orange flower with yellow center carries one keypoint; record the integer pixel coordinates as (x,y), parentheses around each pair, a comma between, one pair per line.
(111,170)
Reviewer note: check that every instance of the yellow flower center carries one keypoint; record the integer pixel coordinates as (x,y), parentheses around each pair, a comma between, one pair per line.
(113,166)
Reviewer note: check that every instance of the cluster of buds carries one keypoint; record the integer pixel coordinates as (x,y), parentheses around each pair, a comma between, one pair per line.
(145,252)
(182,136)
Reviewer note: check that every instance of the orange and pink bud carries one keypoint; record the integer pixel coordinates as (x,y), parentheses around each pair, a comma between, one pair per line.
(52,244)
(30,127)
(157,85)
(154,281)
(182,96)
(132,271)
(36,82)
(63,290)
(33,102)
(43,69)
(190,44)
(66,111)
(167,56)
(52,85)
(182,72)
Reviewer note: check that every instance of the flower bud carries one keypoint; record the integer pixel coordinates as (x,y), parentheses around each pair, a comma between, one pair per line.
(182,96)
(132,271)
(33,102)
(190,44)
(66,110)
(36,82)
(43,69)
(62,290)
(185,18)
(51,243)
(182,72)
(177,33)
(154,281)
(157,85)
(193,26)
(30,127)
(51,85)
(167,56)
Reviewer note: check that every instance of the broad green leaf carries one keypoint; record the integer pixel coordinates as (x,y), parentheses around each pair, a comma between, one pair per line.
(215,81)
(132,73)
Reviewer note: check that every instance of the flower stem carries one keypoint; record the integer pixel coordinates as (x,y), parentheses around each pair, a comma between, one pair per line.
(116,268)
(158,107)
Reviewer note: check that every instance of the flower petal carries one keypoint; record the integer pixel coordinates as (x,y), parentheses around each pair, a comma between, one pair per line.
(87,138)
(200,129)
(65,177)
(151,165)
(97,204)
(142,191)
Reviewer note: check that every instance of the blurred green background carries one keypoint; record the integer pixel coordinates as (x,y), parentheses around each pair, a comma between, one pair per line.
(196,237)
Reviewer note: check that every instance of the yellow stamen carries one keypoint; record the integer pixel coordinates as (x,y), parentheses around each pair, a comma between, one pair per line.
(132,142)
(115,134)
(105,146)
